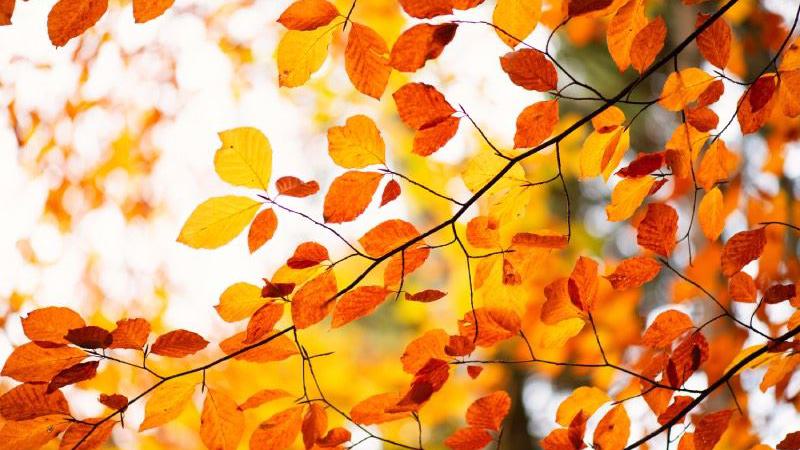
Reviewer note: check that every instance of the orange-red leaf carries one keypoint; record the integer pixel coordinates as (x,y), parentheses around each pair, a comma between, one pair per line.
(277,349)
(308,254)
(680,402)
(539,240)
(312,302)
(366,60)
(648,44)
(644,164)
(334,437)
(28,401)
(432,137)
(357,303)
(295,187)
(715,41)
(386,236)
(221,422)
(305,15)
(89,435)
(420,105)
(130,333)
(742,248)
(656,232)
(178,343)
(425,9)
(420,43)
(420,350)
(530,69)
(263,396)
(536,123)
(494,325)
(262,229)
(390,192)
(634,272)
(666,328)
(482,232)
(279,431)
(372,410)
(489,411)
(349,195)
(315,422)
(263,321)
(114,401)
(709,429)
(51,324)
(70,18)
(742,288)
(32,363)
(426,296)
(468,438)
(582,284)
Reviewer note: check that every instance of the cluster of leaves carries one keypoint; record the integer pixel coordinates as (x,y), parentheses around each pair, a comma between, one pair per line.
(63,350)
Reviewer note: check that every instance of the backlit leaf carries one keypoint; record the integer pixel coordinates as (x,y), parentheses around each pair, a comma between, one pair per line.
(168,400)
(357,303)
(279,431)
(627,196)
(245,158)
(221,422)
(420,43)
(634,272)
(32,363)
(217,221)
(312,302)
(516,19)
(536,123)
(666,328)
(178,343)
(489,411)
(357,144)
(300,54)
(530,69)
(715,41)
(366,60)
(613,430)
(657,230)
(742,248)
(349,195)
(306,15)
(51,324)
(70,18)
(710,214)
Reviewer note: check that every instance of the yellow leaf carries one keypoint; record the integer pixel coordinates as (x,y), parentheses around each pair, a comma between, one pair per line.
(710,214)
(218,220)
(245,158)
(357,144)
(755,362)
(584,398)
(555,336)
(221,422)
(168,400)
(602,152)
(627,196)
(684,87)
(301,53)
(239,301)
(516,18)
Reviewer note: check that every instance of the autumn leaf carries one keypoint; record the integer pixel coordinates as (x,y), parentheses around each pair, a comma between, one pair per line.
(89,337)
(221,421)
(262,229)
(671,413)
(300,54)
(430,345)
(130,333)
(515,19)
(87,434)
(387,236)
(683,87)
(168,400)
(263,396)
(529,69)
(349,195)
(613,430)
(114,401)
(239,301)
(426,296)
(644,164)
(357,303)
(31,400)
(623,28)
(357,144)
(742,248)
(582,283)
(489,411)
(32,363)
(648,44)
(307,15)
(308,254)
(742,288)
(147,10)
(420,105)
(536,123)
(279,431)
(418,44)
(315,422)
(657,230)
(709,428)
(584,399)
(312,302)
(33,433)
(426,9)
(372,410)
(634,272)
(70,18)
(217,221)
(710,214)
(390,192)
(577,8)
(71,375)
(178,343)
(51,324)
(627,196)
(495,325)
(295,187)
(468,438)
(245,158)
(366,60)
(715,41)
(666,328)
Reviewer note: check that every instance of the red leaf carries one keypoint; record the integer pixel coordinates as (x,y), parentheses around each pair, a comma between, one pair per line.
(295,187)
(390,192)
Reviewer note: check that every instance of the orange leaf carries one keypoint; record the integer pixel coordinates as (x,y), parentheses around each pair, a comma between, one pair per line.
(613,430)
(634,272)
(263,396)
(482,232)
(432,137)
(334,437)
(221,422)
(657,230)
(623,29)
(559,306)
(742,288)
(536,123)
(315,422)
(262,229)
(420,105)
(32,363)
(539,240)
(178,343)
(366,60)
(295,187)
(627,196)
(495,325)
(28,401)
(680,402)
(666,328)
(582,284)
(308,254)
(468,438)
(426,296)
(427,381)
(387,236)
(403,264)
(684,87)
(702,118)
(89,435)
(349,196)
(709,429)
(372,410)
(420,43)
(311,303)
(130,333)
(71,375)
(608,120)
(390,192)
(530,69)
(70,18)
(51,324)
(263,321)
(584,399)
(425,9)
(114,401)
(277,349)
(648,44)
(489,411)
(6,11)
(741,248)
(305,15)
(279,431)
(750,118)
(420,350)
(357,303)
(715,41)
(459,346)
(89,337)
(710,214)
(146,10)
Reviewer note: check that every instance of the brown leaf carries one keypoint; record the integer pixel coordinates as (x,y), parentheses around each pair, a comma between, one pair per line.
(530,69)
(420,43)
(178,343)
(366,60)
(70,18)
(308,254)
(71,375)
(790,442)
(349,195)
(536,123)
(305,15)
(741,248)
(577,8)
(295,187)
(114,401)
(276,290)
(89,337)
